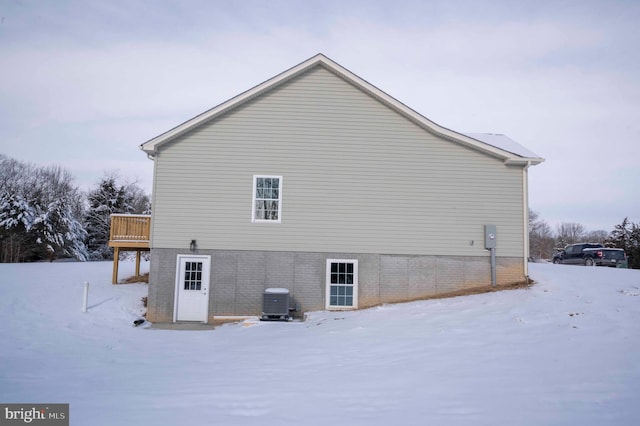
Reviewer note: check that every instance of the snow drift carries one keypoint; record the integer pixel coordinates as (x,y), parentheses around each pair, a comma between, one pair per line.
(562,352)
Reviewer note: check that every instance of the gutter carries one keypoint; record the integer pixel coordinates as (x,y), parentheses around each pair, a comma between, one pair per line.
(150,156)
(527,162)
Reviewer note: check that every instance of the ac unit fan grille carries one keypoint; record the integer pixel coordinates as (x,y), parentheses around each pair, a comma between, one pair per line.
(275,305)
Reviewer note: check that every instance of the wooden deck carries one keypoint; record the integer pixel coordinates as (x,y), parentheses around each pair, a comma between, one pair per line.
(129,232)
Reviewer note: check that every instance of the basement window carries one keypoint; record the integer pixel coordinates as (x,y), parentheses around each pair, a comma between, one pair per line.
(342,284)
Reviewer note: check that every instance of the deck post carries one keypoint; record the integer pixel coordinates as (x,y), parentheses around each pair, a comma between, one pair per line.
(138,263)
(128,232)
(116,260)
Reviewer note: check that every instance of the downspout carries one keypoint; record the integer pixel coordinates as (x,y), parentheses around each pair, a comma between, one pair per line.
(525,204)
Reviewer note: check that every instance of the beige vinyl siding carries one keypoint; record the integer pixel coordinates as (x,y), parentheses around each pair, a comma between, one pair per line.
(357,177)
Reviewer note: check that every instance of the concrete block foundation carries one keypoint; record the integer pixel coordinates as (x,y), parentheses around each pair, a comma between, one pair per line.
(238,278)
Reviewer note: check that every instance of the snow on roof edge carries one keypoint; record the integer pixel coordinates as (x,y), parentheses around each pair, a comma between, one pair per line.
(503,142)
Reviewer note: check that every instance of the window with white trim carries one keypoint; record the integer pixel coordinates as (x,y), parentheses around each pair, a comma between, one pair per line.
(342,284)
(267,199)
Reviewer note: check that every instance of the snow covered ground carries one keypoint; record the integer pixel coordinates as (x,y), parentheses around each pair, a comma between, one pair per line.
(564,352)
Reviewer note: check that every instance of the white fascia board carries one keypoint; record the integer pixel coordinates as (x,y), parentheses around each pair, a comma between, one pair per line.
(523,161)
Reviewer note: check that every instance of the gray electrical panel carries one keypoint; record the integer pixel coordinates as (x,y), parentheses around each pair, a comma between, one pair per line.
(490,236)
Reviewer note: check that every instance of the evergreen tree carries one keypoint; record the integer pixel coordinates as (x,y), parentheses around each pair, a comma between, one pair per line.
(621,234)
(39,213)
(108,198)
(634,247)
(16,218)
(626,236)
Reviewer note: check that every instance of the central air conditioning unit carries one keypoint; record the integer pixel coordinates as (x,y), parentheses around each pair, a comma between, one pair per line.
(275,305)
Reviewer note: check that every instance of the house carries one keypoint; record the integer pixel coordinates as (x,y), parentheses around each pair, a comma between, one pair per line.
(318,182)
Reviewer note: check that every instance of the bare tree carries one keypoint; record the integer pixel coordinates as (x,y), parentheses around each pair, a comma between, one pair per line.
(541,238)
(569,233)
(598,236)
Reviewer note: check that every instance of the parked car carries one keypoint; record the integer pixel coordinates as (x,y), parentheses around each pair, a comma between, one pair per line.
(613,257)
(573,253)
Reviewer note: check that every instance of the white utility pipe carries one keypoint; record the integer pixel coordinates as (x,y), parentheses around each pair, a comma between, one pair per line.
(86,296)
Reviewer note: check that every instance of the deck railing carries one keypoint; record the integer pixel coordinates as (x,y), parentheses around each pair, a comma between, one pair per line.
(130,227)
(129,232)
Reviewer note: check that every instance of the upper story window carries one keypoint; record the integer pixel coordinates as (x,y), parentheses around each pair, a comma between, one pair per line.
(267,199)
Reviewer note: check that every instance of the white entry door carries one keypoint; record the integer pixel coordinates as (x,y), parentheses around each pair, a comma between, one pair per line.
(192,288)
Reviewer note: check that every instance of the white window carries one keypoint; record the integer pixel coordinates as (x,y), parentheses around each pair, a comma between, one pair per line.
(342,284)
(267,199)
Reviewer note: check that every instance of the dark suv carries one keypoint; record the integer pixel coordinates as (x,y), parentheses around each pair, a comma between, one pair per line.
(573,254)
(613,257)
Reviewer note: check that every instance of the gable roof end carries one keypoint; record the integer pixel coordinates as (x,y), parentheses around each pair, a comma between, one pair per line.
(494,146)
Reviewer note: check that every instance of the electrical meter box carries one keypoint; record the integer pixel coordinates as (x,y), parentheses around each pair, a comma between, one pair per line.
(490,236)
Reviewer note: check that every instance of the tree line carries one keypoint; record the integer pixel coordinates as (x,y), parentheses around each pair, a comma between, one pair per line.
(544,241)
(44,215)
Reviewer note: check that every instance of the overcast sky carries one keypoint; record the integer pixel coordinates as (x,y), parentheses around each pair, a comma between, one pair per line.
(84,83)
